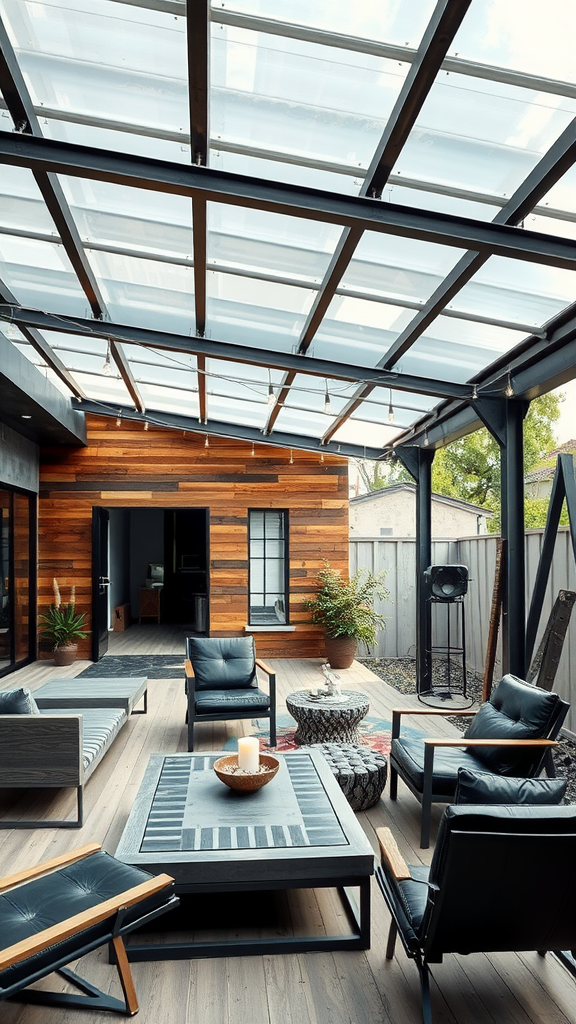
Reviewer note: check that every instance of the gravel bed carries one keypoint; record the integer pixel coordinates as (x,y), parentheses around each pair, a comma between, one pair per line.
(401,674)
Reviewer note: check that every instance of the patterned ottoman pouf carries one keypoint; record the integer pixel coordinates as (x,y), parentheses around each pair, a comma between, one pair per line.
(360,772)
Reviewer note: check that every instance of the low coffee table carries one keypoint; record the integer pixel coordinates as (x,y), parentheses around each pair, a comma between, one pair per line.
(326,720)
(298,832)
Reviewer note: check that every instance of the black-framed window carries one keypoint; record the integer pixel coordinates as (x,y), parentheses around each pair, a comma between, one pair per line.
(268,567)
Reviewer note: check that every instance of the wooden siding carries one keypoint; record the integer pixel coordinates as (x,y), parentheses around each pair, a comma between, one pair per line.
(125,467)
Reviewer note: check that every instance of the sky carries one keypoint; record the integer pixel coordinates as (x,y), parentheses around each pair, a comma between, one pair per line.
(566,425)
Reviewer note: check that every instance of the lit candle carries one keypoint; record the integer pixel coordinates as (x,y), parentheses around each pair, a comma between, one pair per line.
(249,753)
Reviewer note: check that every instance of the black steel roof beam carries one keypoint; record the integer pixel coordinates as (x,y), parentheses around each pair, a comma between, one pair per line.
(198,45)
(245,354)
(236,431)
(559,158)
(293,200)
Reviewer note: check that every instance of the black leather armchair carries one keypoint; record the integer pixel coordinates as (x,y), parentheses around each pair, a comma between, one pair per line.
(222,684)
(511,734)
(62,909)
(502,879)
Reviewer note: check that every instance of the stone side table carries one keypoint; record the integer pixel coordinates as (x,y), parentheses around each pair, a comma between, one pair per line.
(325,720)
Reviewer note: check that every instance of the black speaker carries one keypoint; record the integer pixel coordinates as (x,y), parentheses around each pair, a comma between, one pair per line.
(446,582)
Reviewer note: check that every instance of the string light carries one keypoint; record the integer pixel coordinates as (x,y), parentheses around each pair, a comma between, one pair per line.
(321,456)
(107,369)
(291,457)
(426,441)
(252,452)
(119,418)
(474,393)
(206,442)
(146,425)
(509,390)
(271,396)
(390,409)
(327,402)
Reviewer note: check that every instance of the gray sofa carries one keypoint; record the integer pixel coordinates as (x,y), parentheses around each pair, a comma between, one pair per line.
(47,748)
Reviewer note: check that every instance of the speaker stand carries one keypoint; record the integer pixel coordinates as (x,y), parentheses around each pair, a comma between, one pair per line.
(445,695)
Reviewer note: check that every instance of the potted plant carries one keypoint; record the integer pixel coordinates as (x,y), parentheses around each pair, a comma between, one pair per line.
(345,609)
(62,626)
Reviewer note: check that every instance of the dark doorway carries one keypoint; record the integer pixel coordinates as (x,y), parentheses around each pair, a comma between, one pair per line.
(100,582)
(185,567)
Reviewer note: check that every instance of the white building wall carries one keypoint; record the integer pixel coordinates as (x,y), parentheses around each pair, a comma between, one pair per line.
(396,513)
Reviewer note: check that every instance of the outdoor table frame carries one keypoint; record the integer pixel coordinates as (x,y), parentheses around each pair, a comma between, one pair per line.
(342,858)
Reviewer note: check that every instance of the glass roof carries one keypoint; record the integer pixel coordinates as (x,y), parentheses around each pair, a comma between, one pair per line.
(264,281)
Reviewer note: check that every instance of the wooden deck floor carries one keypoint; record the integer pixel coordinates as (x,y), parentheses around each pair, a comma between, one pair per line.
(311,988)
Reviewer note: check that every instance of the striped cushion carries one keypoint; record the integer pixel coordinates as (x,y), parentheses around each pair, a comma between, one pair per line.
(100,726)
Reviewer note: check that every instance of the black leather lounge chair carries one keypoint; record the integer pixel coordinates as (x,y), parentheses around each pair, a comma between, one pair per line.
(66,907)
(511,734)
(502,879)
(222,684)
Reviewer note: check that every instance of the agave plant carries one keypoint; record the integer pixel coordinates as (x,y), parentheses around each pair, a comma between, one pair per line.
(61,625)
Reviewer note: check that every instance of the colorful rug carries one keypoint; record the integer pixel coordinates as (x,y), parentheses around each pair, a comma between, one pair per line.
(374,733)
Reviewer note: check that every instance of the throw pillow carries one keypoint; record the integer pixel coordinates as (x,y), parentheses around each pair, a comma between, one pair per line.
(18,702)
(483,788)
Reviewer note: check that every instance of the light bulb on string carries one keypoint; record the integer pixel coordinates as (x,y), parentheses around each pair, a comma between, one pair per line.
(107,369)
(390,409)
(206,442)
(252,452)
(119,418)
(327,402)
(271,400)
(146,425)
(291,457)
(509,390)
(426,440)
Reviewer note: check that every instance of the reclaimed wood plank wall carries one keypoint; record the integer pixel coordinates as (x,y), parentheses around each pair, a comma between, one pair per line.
(125,467)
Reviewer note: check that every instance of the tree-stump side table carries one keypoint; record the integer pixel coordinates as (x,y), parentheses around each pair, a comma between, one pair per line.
(326,720)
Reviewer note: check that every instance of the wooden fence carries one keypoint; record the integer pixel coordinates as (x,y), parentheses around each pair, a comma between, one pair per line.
(398,557)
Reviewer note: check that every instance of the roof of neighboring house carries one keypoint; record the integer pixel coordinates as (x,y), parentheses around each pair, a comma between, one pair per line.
(410,488)
(547,466)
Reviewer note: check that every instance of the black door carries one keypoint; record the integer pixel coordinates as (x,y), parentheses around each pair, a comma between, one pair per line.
(100,582)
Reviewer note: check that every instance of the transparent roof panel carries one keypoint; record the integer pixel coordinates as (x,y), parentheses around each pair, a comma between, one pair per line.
(516,290)
(521,35)
(146,293)
(254,312)
(295,172)
(102,58)
(163,399)
(562,195)
(299,97)
(269,241)
(357,431)
(482,135)
(135,139)
(393,23)
(404,268)
(104,389)
(40,275)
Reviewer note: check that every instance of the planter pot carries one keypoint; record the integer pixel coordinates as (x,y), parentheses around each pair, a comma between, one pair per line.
(340,650)
(65,655)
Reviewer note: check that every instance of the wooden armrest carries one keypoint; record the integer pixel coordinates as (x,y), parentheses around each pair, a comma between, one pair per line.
(265,668)
(488,743)
(9,881)
(391,854)
(188,669)
(80,922)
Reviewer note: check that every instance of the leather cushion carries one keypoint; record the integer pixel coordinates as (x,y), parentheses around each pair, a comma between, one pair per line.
(410,897)
(18,702)
(408,756)
(516,710)
(482,788)
(43,902)
(222,662)
(219,702)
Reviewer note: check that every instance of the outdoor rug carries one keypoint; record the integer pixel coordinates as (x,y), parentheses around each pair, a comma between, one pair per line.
(374,733)
(155,666)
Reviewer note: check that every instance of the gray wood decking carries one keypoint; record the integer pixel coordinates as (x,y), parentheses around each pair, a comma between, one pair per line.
(310,988)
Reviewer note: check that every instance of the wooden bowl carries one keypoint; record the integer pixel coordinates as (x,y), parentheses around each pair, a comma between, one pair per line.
(243,782)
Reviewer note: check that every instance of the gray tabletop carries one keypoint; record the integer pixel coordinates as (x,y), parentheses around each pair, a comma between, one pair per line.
(120,692)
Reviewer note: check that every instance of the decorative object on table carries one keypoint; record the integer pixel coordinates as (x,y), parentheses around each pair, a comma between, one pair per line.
(332,682)
(248,753)
(327,720)
(246,780)
(345,609)
(63,627)
(360,772)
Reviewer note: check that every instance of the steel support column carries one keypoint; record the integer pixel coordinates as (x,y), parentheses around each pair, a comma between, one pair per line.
(512,511)
(418,462)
